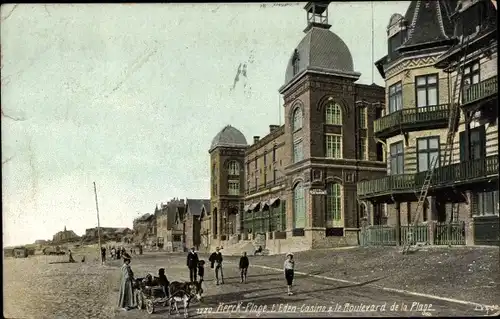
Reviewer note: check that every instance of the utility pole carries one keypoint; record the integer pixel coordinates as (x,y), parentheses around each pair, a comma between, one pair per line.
(98,222)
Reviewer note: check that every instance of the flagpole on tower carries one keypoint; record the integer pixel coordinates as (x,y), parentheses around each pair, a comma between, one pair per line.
(98,222)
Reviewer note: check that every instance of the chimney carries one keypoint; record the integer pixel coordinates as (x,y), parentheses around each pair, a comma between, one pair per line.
(273,128)
(256,139)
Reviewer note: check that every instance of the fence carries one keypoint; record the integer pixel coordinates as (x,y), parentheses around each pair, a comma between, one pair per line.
(382,235)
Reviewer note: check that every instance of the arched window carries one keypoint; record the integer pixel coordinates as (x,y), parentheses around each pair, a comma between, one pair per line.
(299,207)
(334,205)
(297,119)
(333,114)
(233,168)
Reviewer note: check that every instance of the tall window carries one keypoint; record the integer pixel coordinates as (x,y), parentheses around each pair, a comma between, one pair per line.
(234,187)
(395,97)
(299,207)
(487,203)
(363,117)
(333,114)
(274,153)
(426,90)
(333,146)
(297,119)
(477,147)
(428,151)
(397,158)
(275,175)
(248,185)
(234,168)
(256,181)
(471,74)
(333,205)
(298,151)
(255,163)
(362,149)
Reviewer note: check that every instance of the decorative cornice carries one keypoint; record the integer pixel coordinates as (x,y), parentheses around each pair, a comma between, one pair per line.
(407,64)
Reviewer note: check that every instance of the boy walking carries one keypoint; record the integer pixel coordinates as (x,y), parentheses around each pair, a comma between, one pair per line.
(244,263)
(216,259)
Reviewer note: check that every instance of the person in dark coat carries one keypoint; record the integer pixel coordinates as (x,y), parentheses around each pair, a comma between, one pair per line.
(244,263)
(103,254)
(163,281)
(118,252)
(71,260)
(192,264)
(201,270)
(216,259)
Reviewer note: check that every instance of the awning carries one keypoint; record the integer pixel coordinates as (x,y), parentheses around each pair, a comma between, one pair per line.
(251,207)
(256,207)
(273,201)
(246,208)
(264,205)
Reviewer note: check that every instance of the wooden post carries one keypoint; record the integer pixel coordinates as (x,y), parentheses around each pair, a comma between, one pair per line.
(98,222)
(398,223)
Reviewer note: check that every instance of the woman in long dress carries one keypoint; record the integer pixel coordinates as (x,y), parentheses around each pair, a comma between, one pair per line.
(126,300)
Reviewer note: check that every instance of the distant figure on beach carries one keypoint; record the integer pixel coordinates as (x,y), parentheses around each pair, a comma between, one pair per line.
(244,263)
(192,264)
(103,254)
(83,259)
(126,299)
(118,252)
(216,260)
(289,267)
(71,260)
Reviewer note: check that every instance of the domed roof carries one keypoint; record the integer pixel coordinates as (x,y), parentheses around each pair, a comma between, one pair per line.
(229,136)
(321,50)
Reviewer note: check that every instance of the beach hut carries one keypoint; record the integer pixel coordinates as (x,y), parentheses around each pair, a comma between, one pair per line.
(20,252)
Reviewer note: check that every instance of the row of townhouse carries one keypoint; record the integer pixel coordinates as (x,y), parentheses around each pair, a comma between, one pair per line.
(352,155)
(174,226)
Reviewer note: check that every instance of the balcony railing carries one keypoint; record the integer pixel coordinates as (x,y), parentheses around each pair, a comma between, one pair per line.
(412,116)
(443,176)
(481,90)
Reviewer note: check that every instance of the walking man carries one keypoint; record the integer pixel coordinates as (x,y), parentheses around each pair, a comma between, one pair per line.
(216,259)
(244,263)
(192,263)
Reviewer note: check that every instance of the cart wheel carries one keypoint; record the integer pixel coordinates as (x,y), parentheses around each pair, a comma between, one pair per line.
(150,307)
(140,300)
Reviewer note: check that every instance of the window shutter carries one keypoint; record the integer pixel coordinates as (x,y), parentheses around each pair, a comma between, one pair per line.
(482,139)
(462,146)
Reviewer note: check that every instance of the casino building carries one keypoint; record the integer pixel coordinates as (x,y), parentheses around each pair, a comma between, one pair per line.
(295,188)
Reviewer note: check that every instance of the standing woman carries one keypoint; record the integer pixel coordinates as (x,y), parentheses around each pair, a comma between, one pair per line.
(126,300)
(289,266)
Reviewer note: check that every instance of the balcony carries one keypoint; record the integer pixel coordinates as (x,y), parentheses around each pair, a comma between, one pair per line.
(480,91)
(462,174)
(414,119)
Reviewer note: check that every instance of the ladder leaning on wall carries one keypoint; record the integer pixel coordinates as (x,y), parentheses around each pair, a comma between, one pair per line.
(453,121)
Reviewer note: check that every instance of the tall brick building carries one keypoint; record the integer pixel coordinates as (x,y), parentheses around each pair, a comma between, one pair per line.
(295,188)
(426,48)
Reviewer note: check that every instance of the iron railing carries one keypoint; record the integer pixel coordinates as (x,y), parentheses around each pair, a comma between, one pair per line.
(458,172)
(480,90)
(412,116)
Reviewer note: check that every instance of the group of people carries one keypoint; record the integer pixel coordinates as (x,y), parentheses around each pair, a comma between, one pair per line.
(196,273)
(196,267)
(115,253)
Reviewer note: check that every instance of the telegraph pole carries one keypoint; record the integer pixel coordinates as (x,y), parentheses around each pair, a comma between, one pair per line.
(98,222)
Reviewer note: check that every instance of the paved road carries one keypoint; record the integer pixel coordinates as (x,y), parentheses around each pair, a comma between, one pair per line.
(265,295)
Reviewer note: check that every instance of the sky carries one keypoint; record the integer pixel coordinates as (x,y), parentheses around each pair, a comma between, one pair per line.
(129,96)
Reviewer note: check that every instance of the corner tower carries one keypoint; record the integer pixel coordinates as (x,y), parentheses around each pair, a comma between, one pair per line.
(327,118)
(227,158)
